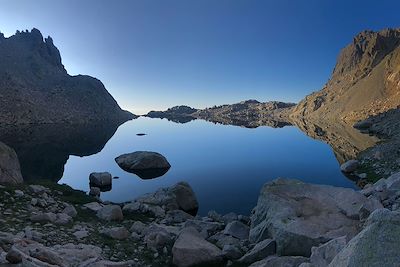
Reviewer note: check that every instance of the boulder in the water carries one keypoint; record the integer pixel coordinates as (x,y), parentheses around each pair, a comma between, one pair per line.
(145,164)
(100,179)
(349,166)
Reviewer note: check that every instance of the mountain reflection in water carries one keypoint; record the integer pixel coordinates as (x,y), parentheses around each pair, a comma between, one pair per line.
(44,149)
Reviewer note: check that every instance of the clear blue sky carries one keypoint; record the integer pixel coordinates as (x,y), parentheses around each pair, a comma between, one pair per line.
(153,54)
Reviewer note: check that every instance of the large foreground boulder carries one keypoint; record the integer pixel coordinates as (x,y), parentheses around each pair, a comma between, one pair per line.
(376,245)
(31,253)
(299,215)
(10,171)
(191,249)
(145,164)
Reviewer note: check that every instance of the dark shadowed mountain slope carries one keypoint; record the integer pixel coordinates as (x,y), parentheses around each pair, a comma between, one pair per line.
(36,88)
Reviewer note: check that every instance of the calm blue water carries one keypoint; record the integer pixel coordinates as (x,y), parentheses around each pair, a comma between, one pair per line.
(225,165)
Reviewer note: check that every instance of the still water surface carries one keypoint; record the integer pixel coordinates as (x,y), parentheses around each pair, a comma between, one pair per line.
(225,165)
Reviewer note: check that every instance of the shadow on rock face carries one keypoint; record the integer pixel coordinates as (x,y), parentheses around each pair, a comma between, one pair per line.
(149,173)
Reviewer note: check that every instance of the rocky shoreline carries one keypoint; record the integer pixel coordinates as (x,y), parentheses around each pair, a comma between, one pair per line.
(293,224)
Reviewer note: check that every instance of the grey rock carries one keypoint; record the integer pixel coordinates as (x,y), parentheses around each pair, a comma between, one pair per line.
(10,170)
(231,252)
(237,229)
(19,193)
(100,179)
(142,160)
(349,166)
(191,249)
(63,219)
(185,197)
(155,227)
(153,210)
(260,251)
(229,217)
(204,227)
(70,210)
(38,189)
(299,215)
(118,233)
(110,213)
(157,240)
(43,217)
(14,256)
(176,216)
(34,201)
(131,208)
(94,191)
(362,175)
(138,227)
(215,216)
(285,261)
(179,196)
(366,208)
(81,234)
(221,240)
(244,219)
(93,206)
(323,255)
(376,245)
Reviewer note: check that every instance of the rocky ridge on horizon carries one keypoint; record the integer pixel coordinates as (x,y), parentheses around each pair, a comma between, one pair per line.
(249,114)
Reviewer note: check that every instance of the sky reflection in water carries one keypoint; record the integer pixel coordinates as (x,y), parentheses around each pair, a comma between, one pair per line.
(225,165)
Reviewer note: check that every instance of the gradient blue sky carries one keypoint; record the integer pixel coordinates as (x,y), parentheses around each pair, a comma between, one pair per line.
(153,54)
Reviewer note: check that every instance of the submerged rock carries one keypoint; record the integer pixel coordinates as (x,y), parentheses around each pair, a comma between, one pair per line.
(299,215)
(10,171)
(145,164)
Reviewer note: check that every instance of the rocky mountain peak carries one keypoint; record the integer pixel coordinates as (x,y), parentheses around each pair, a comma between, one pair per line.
(36,88)
(29,47)
(365,52)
